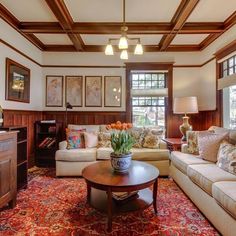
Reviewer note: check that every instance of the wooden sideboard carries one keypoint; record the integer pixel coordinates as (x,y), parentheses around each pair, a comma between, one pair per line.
(8,168)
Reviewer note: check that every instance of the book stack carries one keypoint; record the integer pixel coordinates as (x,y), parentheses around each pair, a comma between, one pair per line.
(47,142)
(122,197)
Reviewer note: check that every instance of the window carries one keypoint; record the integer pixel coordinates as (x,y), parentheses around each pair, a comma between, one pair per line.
(228,67)
(148,98)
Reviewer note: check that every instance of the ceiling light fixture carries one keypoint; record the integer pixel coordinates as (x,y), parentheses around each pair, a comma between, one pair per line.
(123,42)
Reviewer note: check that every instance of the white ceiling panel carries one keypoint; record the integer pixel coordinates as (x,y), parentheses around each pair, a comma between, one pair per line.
(188,39)
(95,10)
(61,39)
(151,10)
(212,11)
(94,39)
(111,10)
(29,10)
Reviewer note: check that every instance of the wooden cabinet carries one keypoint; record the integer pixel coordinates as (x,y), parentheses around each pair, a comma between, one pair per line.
(22,160)
(8,163)
(47,138)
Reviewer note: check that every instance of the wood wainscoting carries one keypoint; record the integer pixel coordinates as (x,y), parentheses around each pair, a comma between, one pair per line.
(84,117)
(25,118)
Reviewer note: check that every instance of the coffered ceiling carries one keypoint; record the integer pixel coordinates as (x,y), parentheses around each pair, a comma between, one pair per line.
(86,25)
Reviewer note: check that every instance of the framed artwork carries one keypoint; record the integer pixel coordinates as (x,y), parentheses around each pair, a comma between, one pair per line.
(74,90)
(17,82)
(54,91)
(112,91)
(93,91)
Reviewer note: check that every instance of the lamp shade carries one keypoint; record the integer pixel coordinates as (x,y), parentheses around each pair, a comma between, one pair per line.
(185,105)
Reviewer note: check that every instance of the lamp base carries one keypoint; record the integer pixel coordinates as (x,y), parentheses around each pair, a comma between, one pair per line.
(185,127)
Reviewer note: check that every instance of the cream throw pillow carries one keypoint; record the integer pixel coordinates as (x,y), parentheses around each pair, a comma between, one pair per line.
(209,143)
(227,157)
(151,141)
(91,139)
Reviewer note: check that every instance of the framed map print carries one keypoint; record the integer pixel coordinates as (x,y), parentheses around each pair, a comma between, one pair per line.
(93,91)
(112,91)
(54,91)
(17,82)
(74,90)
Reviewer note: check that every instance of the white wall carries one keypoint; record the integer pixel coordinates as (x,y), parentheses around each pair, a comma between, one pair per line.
(199,81)
(14,38)
(86,72)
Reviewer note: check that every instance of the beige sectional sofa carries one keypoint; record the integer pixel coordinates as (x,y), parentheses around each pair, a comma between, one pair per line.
(71,162)
(212,189)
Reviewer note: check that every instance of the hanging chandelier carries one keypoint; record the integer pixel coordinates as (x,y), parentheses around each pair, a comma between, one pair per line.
(123,42)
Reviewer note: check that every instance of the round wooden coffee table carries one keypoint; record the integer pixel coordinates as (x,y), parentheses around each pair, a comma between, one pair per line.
(102,181)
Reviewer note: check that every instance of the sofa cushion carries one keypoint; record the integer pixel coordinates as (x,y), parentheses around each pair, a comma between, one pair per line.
(206,175)
(226,158)
(225,194)
(149,154)
(85,154)
(182,160)
(103,153)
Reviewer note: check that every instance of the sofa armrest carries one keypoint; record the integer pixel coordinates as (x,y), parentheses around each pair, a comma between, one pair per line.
(184,148)
(163,145)
(63,145)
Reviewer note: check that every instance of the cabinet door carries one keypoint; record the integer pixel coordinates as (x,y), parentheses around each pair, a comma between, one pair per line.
(7,171)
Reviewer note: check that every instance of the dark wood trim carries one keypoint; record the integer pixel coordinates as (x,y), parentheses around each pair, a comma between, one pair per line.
(82,83)
(80,66)
(62,14)
(114,28)
(86,91)
(111,76)
(168,66)
(225,51)
(20,52)
(62,91)
(180,17)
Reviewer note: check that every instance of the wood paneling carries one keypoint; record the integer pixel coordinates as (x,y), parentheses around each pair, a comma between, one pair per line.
(24,118)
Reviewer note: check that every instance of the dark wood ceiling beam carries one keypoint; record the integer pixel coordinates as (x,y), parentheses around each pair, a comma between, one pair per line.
(228,23)
(114,28)
(62,14)
(183,12)
(14,22)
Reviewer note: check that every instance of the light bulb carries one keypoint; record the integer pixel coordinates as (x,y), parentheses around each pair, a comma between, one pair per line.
(123,43)
(124,55)
(138,49)
(109,50)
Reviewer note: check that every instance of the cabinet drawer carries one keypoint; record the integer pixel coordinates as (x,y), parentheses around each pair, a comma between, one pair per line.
(6,145)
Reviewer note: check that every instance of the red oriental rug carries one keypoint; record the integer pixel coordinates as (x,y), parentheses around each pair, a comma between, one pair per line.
(57,206)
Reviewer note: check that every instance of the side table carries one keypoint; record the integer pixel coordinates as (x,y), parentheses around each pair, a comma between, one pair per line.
(173,144)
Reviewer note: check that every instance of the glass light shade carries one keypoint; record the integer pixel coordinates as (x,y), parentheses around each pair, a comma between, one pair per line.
(123,43)
(124,55)
(109,50)
(138,49)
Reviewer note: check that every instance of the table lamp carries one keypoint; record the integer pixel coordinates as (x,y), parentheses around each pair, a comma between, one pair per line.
(185,105)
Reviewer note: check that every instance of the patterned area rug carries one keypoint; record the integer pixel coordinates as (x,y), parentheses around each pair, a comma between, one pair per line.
(57,206)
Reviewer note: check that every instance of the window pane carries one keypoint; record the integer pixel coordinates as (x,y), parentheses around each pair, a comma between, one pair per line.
(231,62)
(225,65)
(225,73)
(149,116)
(231,71)
(232,104)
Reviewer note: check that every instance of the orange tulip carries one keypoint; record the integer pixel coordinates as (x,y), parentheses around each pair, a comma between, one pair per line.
(113,125)
(118,122)
(129,125)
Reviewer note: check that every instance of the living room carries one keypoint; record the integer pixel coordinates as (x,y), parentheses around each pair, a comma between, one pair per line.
(79,79)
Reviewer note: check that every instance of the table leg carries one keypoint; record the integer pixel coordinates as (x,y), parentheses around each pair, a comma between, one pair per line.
(109,209)
(88,192)
(155,196)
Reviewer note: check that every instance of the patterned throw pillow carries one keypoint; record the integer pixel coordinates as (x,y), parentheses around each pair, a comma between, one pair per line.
(151,141)
(226,158)
(138,134)
(192,142)
(104,139)
(75,138)
(209,144)
(91,139)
